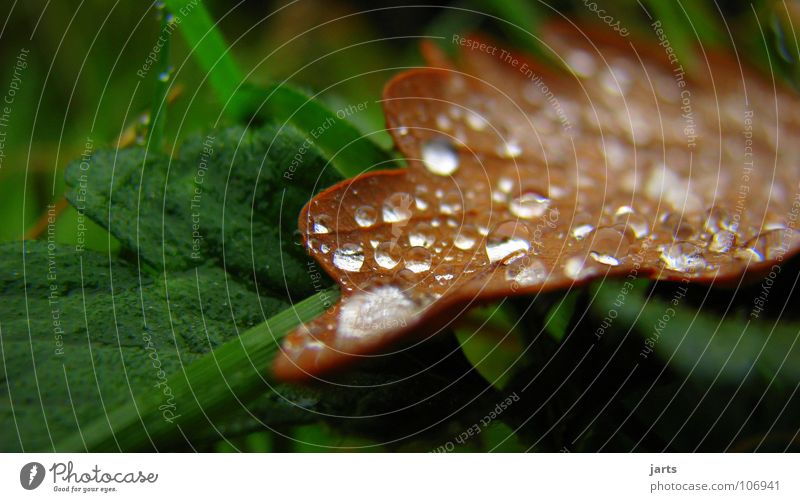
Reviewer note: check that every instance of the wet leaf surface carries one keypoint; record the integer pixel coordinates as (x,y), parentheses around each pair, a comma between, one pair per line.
(524,179)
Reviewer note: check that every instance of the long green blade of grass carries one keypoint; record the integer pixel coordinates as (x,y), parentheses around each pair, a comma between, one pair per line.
(208,389)
(350,151)
(158,114)
(211,51)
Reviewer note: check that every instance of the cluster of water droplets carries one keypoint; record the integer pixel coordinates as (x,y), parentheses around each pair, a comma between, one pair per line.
(500,189)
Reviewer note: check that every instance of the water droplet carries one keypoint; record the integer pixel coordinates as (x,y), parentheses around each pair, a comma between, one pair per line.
(505,185)
(682,257)
(387,255)
(443,122)
(321,224)
(581,231)
(397,208)
(418,259)
(771,245)
(466,238)
(373,312)
(440,157)
(529,205)
(507,238)
(421,203)
(475,121)
(634,223)
(511,149)
(575,268)
(615,81)
(451,203)
(366,216)
(526,272)
(609,246)
(349,257)
(581,62)
(402,130)
(718,219)
(605,259)
(422,235)
(677,225)
(722,241)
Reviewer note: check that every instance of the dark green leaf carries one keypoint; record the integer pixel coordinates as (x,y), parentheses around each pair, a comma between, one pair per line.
(697,342)
(558,318)
(80,337)
(229,198)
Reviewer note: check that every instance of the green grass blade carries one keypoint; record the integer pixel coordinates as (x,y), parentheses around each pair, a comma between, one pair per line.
(350,152)
(158,114)
(209,388)
(521,22)
(678,30)
(212,53)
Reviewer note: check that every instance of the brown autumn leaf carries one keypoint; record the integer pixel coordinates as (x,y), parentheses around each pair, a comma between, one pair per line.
(522,178)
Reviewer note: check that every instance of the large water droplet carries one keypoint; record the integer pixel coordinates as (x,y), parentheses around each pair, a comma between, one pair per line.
(418,260)
(507,238)
(397,208)
(349,257)
(387,255)
(609,246)
(371,313)
(682,257)
(366,216)
(440,157)
(526,272)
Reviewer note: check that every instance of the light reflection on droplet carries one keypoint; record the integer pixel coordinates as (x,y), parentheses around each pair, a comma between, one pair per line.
(349,257)
(440,157)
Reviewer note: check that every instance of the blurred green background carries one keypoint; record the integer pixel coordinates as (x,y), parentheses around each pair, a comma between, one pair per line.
(81,76)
